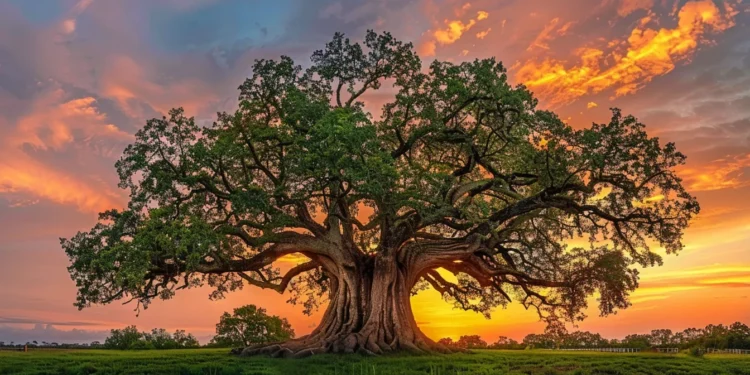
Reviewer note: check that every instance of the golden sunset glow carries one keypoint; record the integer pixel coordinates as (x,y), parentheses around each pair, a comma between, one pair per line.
(77,83)
(719,174)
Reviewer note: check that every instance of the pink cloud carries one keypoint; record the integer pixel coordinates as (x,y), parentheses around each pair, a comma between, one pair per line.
(129,84)
(56,124)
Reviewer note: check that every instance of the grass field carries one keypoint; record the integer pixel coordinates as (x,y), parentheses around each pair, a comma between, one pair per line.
(218,362)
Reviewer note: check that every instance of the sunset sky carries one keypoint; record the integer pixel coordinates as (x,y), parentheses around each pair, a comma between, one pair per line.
(78,79)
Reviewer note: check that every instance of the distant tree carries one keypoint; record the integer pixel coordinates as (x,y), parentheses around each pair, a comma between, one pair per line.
(185,340)
(637,341)
(716,336)
(735,336)
(504,342)
(161,339)
(126,338)
(446,341)
(459,171)
(249,325)
(471,342)
(584,339)
(539,341)
(661,337)
(158,338)
(678,338)
(691,334)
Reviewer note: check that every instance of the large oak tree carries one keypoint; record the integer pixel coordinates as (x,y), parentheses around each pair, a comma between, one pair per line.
(459,172)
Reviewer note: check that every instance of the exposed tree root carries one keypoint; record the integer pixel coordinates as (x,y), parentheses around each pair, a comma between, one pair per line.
(351,343)
(369,313)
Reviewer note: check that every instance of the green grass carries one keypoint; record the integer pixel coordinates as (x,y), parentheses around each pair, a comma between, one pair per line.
(219,362)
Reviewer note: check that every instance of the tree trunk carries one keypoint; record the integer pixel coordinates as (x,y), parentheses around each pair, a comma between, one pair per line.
(369,312)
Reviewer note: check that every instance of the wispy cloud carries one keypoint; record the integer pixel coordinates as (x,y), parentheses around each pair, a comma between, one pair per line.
(550,31)
(49,333)
(10,320)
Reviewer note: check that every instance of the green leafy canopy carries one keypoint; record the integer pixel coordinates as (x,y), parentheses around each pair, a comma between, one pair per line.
(459,170)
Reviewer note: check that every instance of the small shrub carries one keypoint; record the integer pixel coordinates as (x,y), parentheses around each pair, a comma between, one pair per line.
(696,351)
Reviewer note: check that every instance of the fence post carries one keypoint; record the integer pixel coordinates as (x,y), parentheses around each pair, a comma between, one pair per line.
(25,348)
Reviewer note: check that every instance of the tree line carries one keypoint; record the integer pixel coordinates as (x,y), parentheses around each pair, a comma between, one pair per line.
(250,325)
(245,326)
(734,336)
(130,338)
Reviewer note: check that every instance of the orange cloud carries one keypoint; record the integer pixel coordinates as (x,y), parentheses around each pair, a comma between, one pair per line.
(591,105)
(453,32)
(52,127)
(483,34)
(56,124)
(725,173)
(648,53)
(450,34)
(130,85)
(27,176)
(629,6)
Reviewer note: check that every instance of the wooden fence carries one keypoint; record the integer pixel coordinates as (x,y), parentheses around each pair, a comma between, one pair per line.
(658,350)
(608,350)
(29,348)
(727,351)
(668,350)
(15,348)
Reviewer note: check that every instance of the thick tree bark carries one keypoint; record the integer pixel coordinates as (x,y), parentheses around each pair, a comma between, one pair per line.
(369,312)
